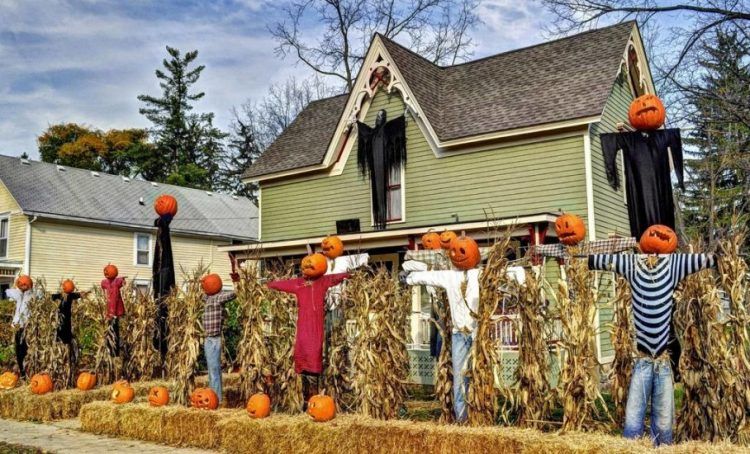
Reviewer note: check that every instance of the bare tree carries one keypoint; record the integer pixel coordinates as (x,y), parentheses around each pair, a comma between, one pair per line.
(437,29)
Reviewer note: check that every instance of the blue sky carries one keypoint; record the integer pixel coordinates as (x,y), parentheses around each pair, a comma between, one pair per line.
(86,61)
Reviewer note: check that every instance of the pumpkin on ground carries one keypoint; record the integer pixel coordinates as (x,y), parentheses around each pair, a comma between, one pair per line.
(570,229)
(68,286)
(158,396)
(314,265)
(259,405)
(431,240)
(464,253)
(24,283)
(321,408)
(111,271)
(212,284)
(41,384)
(8,380)
(123,392)
(86,381)
(646,113)
(658,239)
(332,246)
(165,205)
(204,398)
(446,238)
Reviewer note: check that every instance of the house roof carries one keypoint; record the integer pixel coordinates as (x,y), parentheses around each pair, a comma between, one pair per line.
(566,79)
(52,191)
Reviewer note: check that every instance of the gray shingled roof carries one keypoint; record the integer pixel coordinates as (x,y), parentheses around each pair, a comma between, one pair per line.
(42,189)
(561,80)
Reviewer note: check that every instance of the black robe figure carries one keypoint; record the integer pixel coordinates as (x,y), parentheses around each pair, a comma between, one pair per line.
(163,282)
(381,150)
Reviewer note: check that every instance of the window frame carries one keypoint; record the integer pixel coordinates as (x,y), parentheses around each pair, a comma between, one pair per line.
(402,187)
(5,217)
(150,263)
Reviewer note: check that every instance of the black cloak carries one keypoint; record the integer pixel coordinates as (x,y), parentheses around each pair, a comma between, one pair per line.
(163,280)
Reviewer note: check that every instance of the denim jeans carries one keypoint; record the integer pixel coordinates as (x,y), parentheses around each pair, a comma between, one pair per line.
(460,356)
(212,348)
(651,380)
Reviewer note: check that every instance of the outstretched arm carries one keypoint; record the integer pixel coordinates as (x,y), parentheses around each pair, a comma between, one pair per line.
(619,263)
(433,278)
(288,286)
(333,280)
(687,264)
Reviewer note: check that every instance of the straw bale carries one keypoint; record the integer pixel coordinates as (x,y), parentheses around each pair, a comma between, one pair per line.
(101,418)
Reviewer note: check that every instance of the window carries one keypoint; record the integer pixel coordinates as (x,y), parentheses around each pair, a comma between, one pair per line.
(142,287)
(142,249)
(395,210)
(4,226)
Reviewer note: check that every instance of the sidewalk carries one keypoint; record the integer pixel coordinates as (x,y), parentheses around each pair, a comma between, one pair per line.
(64,437)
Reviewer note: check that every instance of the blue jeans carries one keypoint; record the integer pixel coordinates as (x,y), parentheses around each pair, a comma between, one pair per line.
(652,380)
(212,348)
(460,357)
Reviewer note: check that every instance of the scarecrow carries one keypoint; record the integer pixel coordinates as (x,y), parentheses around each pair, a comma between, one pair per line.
(22,295)
(66,297)
(112,286)
(163,269)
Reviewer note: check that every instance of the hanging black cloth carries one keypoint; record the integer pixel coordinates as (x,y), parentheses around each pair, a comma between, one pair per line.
(381,151)
(65,323)
(163,281)
(648,179)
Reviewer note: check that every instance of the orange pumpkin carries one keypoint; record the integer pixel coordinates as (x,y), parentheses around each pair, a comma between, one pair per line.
(658,239)
(8,380)
(646,113)
(158,396)
(165,205)
(24,282)
(123,392)
(212,284)
(446,238)
(570,229)
(204,398)
(321,408)
(431,240)
(86,381)
(314,265)
(111,271)
(464,253)
(68,286)
(41,384)
(259,405)
(332,246)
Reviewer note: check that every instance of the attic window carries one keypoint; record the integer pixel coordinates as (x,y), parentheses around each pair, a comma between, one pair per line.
(380,75)
(634,73)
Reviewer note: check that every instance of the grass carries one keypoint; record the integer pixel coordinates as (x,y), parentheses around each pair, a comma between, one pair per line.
(7,448)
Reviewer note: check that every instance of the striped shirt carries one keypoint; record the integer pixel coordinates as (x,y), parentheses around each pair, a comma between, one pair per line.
(652,289)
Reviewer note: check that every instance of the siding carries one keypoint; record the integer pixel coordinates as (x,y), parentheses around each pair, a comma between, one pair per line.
(17,226)
(517,180)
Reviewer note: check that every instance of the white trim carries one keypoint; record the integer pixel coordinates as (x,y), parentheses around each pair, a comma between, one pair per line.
(260,212)
(150,249)
(589,184)
(27,246)
(6,217)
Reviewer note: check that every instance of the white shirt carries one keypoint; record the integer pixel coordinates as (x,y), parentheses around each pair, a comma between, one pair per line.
(462,305)
(343,264)
(21,316)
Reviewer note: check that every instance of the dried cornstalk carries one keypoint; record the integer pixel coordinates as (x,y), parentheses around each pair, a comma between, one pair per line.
(253,355)
(622,335)
(107,367)
(137,332)
(337,380)
(444,378)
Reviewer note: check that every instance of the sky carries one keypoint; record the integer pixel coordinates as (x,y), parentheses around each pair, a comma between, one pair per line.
(86,61)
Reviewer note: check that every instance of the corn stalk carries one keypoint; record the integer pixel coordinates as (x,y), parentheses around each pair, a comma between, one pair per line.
(137,332)
(444,378)
(253,355)
(108,368)
(622,341)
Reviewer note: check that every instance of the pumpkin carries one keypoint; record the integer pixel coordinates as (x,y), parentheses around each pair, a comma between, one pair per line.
(314,265)
(646,113)
(259,405)
(464,253)
(24,283)
(570,229)
(86,381)
(158,396)
(204,398)
(332,246)
(41,384)
(111,271)
(212,284)
(431,240)
(446,238)
(8,380)
(321,408)
(123,392)
(658,239)
(165,205)
(68,286)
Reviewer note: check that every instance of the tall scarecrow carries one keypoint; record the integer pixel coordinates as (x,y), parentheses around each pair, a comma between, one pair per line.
(163,269)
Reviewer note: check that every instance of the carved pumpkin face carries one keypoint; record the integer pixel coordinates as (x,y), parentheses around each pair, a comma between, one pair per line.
(464,253)
(204,398)
(431,240)
(259,406)
(68,286)
(314,265)
(111,271)
(41,384)
(646,113)
(86,381)
(123,392)
(332,246)
(446,238)
(8,380)
(211,284)
(658,239)
(158,396)
(165,205)
(321,408)
(570,229)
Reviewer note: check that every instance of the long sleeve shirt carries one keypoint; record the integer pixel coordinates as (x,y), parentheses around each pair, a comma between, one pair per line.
(213,313)
(652,289)
(343,264)
(462,304)
(22,299)
(115,305)
(310,294)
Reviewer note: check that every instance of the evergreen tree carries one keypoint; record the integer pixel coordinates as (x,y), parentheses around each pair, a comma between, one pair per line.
(243,149)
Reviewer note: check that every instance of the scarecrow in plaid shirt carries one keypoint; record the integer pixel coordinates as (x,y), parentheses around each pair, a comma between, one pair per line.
(213,320)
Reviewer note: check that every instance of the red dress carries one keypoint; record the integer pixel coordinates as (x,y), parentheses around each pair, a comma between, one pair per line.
(115,306)
(308,345)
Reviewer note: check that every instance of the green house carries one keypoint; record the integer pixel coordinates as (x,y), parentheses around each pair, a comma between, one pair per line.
(510,139)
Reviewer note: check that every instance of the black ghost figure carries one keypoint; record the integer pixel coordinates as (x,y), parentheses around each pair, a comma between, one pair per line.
(649,183)
(163,281)
(381,150)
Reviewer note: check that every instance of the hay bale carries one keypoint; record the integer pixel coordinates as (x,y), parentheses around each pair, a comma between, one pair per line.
(101,418)
(141,422)
(192,427)
(8,401)
(227,379)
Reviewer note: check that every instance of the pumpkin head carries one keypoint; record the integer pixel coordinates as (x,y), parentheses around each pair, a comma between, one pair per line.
(158,396)
(464,253)
(314,265)
(111,271)
(446,238)
(165,205)
(570,229)
(24,282)
(41,384)
(259,405)
(8,380)
(211,284)
(321,408)
(658,239)
(68,286)
(204,398)
(431,240)
(86,381)
(332,246)
(122,392)
(646,113)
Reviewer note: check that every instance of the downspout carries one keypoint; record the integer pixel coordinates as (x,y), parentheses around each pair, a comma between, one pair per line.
(27,249)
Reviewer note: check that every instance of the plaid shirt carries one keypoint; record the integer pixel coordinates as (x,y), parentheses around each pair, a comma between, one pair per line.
(213,314)
(607,246)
